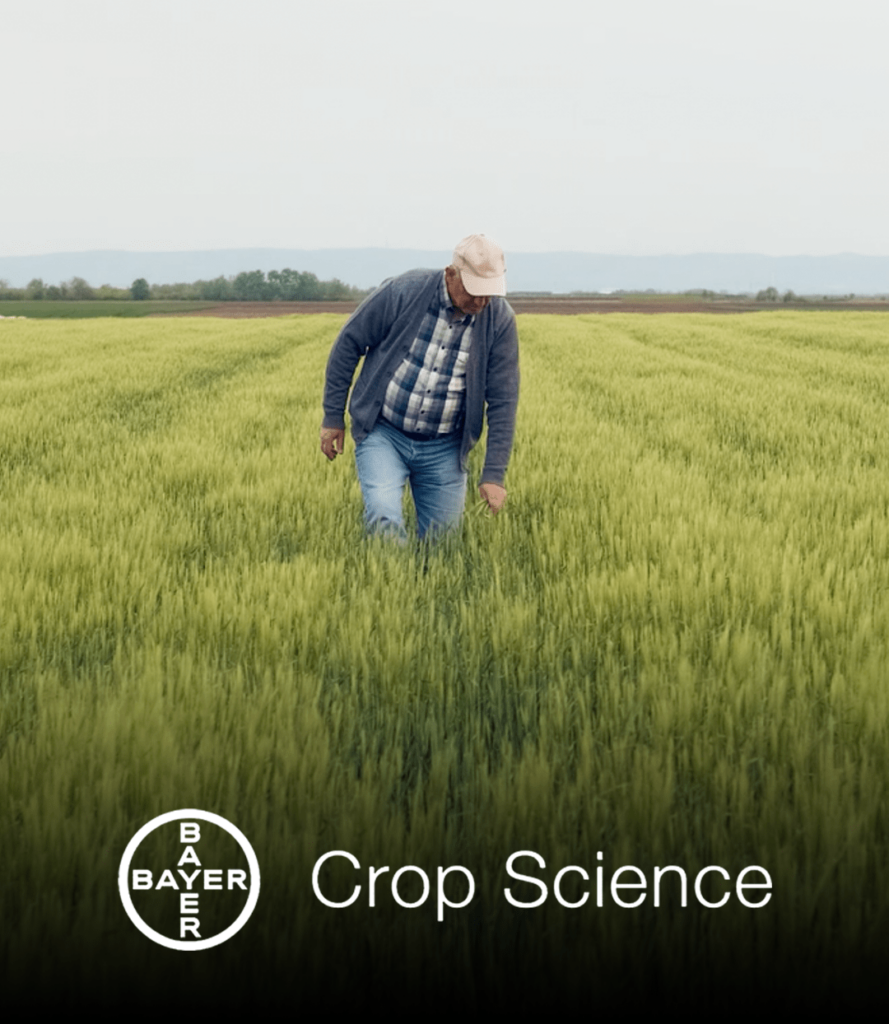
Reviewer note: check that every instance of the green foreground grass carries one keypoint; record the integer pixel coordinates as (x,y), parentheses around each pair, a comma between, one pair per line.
(669,649)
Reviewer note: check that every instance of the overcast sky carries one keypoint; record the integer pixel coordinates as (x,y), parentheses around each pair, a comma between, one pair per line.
(638,127)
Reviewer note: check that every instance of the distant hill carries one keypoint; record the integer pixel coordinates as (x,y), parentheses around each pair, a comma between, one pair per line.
(559,272)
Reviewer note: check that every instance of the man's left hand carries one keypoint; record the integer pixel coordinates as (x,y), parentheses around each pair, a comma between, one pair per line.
(494,495)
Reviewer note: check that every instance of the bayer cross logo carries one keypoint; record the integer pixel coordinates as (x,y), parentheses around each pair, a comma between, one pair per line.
(189,880)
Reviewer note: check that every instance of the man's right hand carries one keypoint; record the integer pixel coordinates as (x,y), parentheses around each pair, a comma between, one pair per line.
(332,441)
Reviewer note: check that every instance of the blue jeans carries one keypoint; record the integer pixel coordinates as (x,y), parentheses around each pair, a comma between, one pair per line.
(387,459)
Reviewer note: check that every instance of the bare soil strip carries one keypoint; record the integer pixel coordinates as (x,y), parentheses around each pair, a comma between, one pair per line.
(559,304)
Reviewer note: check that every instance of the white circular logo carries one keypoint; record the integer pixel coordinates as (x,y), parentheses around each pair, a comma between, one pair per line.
(190,879)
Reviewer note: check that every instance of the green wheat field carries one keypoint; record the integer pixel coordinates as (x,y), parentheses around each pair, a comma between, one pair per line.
(669,649)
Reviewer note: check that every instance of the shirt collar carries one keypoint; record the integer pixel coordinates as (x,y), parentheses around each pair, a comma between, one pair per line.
(446,302)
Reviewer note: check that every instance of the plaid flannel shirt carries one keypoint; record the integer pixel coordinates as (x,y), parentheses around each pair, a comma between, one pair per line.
(428,390)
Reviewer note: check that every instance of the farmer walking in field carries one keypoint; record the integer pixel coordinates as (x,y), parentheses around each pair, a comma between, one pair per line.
(438,347)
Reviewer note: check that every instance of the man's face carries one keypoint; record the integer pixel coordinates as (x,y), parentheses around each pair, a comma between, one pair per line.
(461,298)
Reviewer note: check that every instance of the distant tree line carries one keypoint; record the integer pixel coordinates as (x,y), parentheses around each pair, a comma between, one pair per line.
(254,286)
(772,295)
(249,286)
(76,289)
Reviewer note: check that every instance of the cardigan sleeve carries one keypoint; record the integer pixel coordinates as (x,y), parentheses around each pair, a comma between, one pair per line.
(501,397)
(363,330)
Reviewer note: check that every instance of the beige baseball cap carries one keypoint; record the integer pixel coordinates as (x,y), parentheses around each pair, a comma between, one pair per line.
(482,265)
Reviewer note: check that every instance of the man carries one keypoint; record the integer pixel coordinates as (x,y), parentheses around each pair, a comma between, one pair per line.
(438,347)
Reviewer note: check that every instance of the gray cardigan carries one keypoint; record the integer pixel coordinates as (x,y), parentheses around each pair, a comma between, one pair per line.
(383,329)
